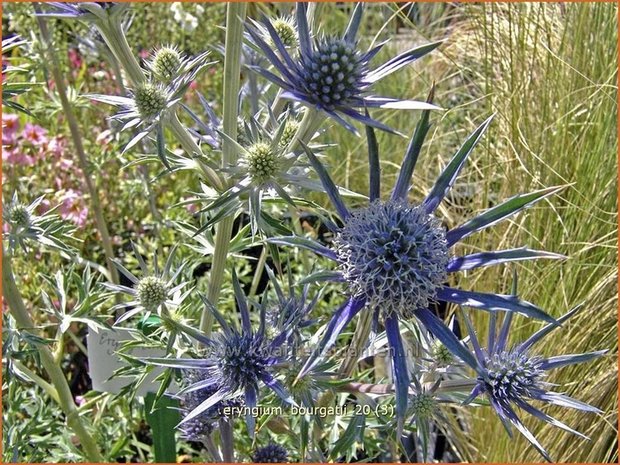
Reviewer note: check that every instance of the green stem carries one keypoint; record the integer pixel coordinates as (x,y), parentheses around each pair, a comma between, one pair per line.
(57,377)
(114,36)
(235,16)
(79,148)
(258,272)
(47,387)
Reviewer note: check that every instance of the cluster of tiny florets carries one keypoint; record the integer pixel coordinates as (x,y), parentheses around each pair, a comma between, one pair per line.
(262,162)
(393,254)
(165,64)
(423,405)
(333,73)
(441,354)
(290,129)
(150,100)
(152,292)
(18,215)
(285,29)
(241,360)
(511,375)
(202,425)
(272,453)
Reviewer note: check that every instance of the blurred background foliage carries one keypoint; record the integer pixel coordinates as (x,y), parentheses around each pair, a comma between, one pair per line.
(549,71)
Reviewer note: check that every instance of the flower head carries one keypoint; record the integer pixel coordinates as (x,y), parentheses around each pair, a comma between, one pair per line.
(331,73)
(513,376)
(27,223)
(286,30)
(155,291)
(165,63)
(423,405)
(237,362)
(35,134)
(271,453)
(154,99)
(262,162)
(10,126)
(395,256)
(150,100)
(265,170)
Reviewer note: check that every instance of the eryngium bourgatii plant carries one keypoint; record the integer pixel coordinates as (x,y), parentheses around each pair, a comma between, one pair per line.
(393,259)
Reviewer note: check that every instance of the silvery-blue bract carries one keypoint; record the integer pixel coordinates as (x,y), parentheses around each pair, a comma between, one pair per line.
(330,73)
(394,256)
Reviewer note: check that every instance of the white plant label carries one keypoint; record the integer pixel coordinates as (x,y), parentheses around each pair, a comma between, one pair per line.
(103,361)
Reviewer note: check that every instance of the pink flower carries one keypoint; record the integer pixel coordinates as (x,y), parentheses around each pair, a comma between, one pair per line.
(72,208)
(15,156)
(56,146)
(193,85)
(74,58)
(35,134)
(10,126)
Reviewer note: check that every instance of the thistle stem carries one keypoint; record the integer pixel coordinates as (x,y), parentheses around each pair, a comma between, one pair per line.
(114,36)
(262,259)
(235,16)
(57,377)
(47,387)
(79,148)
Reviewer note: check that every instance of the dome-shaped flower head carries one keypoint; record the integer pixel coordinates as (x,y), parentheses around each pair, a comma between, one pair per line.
(512,377)
(330,73)
(271,453)
(237,362)
(153,291)
(395,259)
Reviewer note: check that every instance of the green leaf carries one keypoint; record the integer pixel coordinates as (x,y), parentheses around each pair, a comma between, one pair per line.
(162,418)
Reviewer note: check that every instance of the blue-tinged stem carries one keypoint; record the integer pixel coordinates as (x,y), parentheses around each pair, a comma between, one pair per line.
(235,16)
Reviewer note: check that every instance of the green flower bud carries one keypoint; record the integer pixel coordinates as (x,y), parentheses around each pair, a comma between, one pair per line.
(423,405)
(19,216)
(150,100)
(165,64)
(262,162)
(286,32)
(441,355)
(152,292)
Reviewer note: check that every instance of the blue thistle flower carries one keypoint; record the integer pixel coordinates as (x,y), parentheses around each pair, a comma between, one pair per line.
(202,425)
(512,376)
(395,256)
(271,453)
(331,74)
(236,362)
